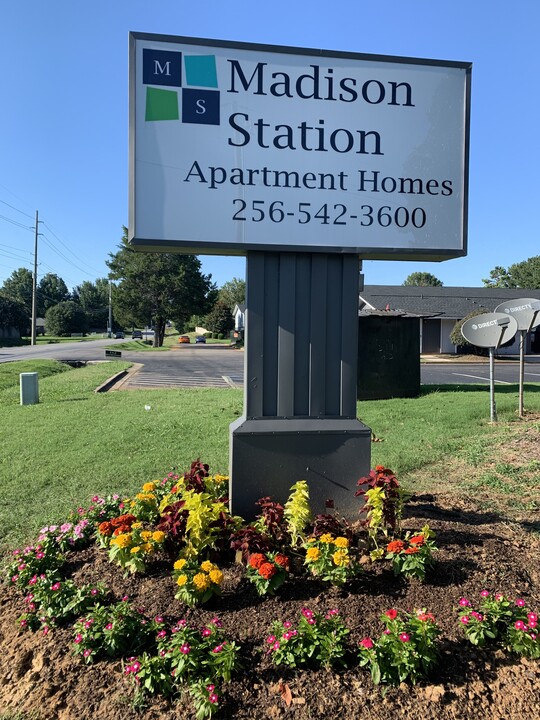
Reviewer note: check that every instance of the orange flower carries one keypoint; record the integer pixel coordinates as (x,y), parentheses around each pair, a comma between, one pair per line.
(267,570)
(418,540)
(395,546)
(411,550)
(282,560)
(256,560)
(105,528)
(380,468)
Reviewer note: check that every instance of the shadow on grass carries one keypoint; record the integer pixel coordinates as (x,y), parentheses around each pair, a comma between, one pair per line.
(501,389)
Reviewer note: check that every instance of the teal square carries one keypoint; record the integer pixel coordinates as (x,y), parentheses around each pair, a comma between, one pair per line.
(201,70)
(161,104)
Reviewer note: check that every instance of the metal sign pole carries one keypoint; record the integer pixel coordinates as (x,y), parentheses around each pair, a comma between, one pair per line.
(492,405)
(522,335)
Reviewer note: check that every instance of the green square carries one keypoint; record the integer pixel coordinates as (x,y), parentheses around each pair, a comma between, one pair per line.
(201,70)
(161,104)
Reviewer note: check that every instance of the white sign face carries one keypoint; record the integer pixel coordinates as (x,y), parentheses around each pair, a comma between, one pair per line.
(244,147)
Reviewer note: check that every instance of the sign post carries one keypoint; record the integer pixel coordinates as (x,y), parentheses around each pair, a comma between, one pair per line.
(490,330)
(305,161)
(526,311)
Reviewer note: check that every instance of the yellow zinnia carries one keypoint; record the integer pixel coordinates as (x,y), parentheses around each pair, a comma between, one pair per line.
(158,536)
(207,566)
(136,525)
(340,558)
(201,582)
(147,548)
(312,554)
(341,542)
(179,564)
(123,540)
(182,580)
(326,538)
(216,576)
(135,549)
(149,487)
(146,535)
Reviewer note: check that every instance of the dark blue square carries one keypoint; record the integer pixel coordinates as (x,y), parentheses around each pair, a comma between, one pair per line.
(200,106)
(162,67)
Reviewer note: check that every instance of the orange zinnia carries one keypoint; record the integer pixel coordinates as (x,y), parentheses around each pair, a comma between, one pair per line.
(395,546)
(411,550)
(282,560)
(256,560)
(417,540)
(267,570)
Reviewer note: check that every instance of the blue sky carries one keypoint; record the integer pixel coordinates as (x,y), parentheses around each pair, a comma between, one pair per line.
(64,119)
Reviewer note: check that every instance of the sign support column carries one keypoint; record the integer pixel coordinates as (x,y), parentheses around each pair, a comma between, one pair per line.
(300,383)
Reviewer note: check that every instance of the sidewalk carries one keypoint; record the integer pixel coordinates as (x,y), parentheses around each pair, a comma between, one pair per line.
(467,359)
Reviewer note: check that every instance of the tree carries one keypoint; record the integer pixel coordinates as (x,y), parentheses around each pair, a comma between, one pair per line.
(219,320)
(13,314)
(18,286)
(457,338)
(93,297)
(524,274)
(65,318)
(422,279)
(51,290)
(233,292)
(157,287)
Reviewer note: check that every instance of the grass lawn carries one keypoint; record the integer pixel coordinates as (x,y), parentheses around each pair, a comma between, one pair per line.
(76,443)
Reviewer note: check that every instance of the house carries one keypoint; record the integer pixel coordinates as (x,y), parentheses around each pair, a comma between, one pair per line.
(239,314)
(440,307)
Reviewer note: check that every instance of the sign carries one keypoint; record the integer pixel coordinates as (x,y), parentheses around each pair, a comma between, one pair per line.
(237,147)
(489,330)
(113,353)
(526,311)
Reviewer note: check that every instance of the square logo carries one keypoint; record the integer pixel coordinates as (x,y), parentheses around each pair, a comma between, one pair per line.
(162,67)
(161,104)
(201,71)
(200,106)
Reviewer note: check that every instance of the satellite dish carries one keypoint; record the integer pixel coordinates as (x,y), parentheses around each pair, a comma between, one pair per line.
(489,330)
(526,311)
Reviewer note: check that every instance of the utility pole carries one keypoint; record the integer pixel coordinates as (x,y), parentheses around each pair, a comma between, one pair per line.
(34,285)
(110,309)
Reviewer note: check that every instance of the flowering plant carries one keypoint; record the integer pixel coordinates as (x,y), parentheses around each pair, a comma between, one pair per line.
(108,529)
(114,631)
(68,536)
(33,561)
(497,618)
(267,571)
(329,558)
(406,650)
(317,641)
(197,583)
(100,509)
(145,504)
(130,549)
(413,555)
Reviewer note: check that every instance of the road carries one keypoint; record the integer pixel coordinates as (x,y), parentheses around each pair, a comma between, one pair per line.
(219,366)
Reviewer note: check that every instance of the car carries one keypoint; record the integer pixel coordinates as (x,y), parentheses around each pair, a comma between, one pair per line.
(119,335)
(200,339)
(136,335)
(184,339)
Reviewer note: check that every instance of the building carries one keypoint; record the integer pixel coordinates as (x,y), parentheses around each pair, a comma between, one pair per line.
(440,307)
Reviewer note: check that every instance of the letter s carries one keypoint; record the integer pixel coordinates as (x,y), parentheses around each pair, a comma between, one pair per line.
(245,133)
(201,109)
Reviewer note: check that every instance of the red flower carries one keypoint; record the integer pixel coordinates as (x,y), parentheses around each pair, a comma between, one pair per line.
(105,528)
(283,561)
(256,560)
(417,540)
(267,570)
(395,546)
(392,614)
(411,550)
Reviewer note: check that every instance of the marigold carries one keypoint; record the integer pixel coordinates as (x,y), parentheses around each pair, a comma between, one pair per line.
(341,558)
(158,536)
(341,542)
(207,566)
(313,554)
(267,570)
(395,546)
(216,576)
(179,564)
(326,538)
(201,582)
(256,560)
(149,487)
(417,540)
(282,561)
(182,580)
(105,528)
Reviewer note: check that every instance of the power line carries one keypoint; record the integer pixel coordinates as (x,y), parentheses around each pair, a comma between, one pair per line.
(15,222)
(17,209)
(94,271)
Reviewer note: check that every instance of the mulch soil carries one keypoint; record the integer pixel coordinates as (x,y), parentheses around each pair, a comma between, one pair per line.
(39,675)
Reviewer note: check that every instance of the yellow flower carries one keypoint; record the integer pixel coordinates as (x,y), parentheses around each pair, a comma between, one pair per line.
(135,549)
(149,487)
(147,548)
(179,564)
(136,525)
(146,535)
(221,479)
(326,538)
(182,580)
(123,540)
(158,536)
(312,554)
(341,542)
(201,582)
(207,566)
(216,576)
(340,558)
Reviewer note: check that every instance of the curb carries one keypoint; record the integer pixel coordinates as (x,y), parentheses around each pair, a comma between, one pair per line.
(116,381)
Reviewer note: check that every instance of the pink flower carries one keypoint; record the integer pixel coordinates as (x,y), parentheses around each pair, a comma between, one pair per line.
(287,624)
(485,593)
(275,646)
(499,597)
(184,649)
(158,619)
(464,619)
(532,617)
(217,649)
(271,639)
(78,638)
(386,632)
(532,623)
(477,616)
(217,622)
(392,614)
(404,637)
(311,621)
(55,586)
(86,653)
(206,632)
(307,613)
(95,498)
(162,634)
(14,578)
(464,602)
(367,643)
(94,591)
(88,624)
(33,580)
(519,625)
(46,630)
(136,667)
(109,626)
(533,636)
(40,555)
(520,602)
(125,598)
(213,698)
(23,623)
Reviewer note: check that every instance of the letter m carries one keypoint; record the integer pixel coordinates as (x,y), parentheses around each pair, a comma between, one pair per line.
(162,67)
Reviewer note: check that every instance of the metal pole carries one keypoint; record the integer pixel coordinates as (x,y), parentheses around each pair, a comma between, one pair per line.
(492,405)
(34,286)
(523,333)
(110,309)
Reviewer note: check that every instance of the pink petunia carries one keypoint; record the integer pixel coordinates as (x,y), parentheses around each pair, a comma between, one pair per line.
(520,602)
(367,643)
(404,637)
